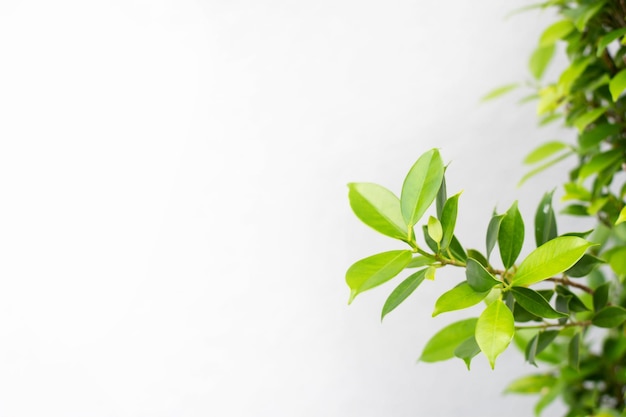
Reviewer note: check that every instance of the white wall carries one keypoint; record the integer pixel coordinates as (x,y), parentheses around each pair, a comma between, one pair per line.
(174,225)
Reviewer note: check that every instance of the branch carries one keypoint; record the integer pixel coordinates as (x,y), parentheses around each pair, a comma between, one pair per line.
(569,283)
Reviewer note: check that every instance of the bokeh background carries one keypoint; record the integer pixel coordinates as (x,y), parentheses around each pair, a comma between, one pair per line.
(174,223)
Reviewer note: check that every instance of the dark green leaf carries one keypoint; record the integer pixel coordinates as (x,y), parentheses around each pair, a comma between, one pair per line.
(572,302)
(611,316)
(457,249)
(448,219)
(429,240)
(442,196)
(467,351)
(548,397)
(574,351)
(589,117)
(535,303)
(584,266)
(521,315)
(421,186)
(473,253)
(545,221)
(511,236)
(582,14)
(402,291)
(591,138)
(538,344)
(492,232)
(617,84)
(540,59)
(442,345)
(575,210)
(375,270)
(460,297)
(378,208)
(478,277)
(608,38)
(600,162)
(494,330)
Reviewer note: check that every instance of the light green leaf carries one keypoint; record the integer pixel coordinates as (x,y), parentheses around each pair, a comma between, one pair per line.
(572,73)
(435,231)
(618,84)
(549,259)
(544,151)
(492,232)
(375,270)
(402,291)
(543,167)
(378,208)
(556,32)
(421,186)
(478,278)
(499,91)
(604,41)
(622,216)
(511,236)
(611,316)
(600,162)
(460,297)
(534,303)
(540,59)
(531,384)
(442,196)
(587,118)
(494,330)
(616,257)
(467,350)
(448,219)
(442,345)
(545,220)
(430,273)
(420,260)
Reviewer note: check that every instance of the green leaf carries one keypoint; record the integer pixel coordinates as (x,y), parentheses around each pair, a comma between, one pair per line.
(479,257)
(531,384)
(616,257)
(618,84)
(604,41)
(460,297)
(556,32)
(547,119)
(581,15)
(600,162)
(494,330)
(511,236)
(538,344)
(378,208)
(492,232)
(601,296)
(548,397)
(549,259)
(442,345)
(442,196)
(622,216)
(534,303)
(467,351)
(544,151)
(573,358)
(375,270)
(545,220)
(543,167)
(402,291)
(478,277)
(575,210)
(589,117)
(430,273)
(448,219)
(435,231)
(419,261)
(421,186)
(572,302)
(572,73)
(584,266)
(499,91)
(540,59)
(457,250)
(611,316)
(592,137)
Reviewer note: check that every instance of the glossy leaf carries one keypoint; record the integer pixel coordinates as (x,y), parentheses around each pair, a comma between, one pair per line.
(511,236)
(479,257)
(540,59)
(492,232)
(442,196)
(608,317)
(448,219)
(375,270)
(494,330)
(467,351)
(556,32)
(584,266)
(421,186)
(378,208)
(460,297)
(601,296)
(605,40)
(544,151)
(545,220)
(549,259)
(600,162)
(402,292)
(478,277)
(435,230)
(499,91)
(618,84)
(588,117)
(442,345)
(534,303)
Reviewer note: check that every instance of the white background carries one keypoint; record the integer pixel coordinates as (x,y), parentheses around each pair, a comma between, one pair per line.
(174,225)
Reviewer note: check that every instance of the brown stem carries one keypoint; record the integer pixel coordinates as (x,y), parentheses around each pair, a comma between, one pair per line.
(608,60)
(569,283)
(549,325)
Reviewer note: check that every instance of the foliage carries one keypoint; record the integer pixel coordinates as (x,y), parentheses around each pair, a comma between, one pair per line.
(547,302)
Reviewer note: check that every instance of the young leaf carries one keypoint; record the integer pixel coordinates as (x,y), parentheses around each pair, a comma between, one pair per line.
(500,91)
(511,236)
(467,350)
(421,186)
(544,151)
(494,330)
(457,249)
(430,273)
(531,384)
(534,303)
(402,291)
(555,32)
(375,270)
(543,167)
(492,232)
(540,59)
(442,345)
(478,277)
(434,229)
(611,316)
(601,296)
(587,118)
(604,41)
(549,259)
(378,208)
(616,257)
(460,297)
(545,220)
(448,219)
(618,84)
